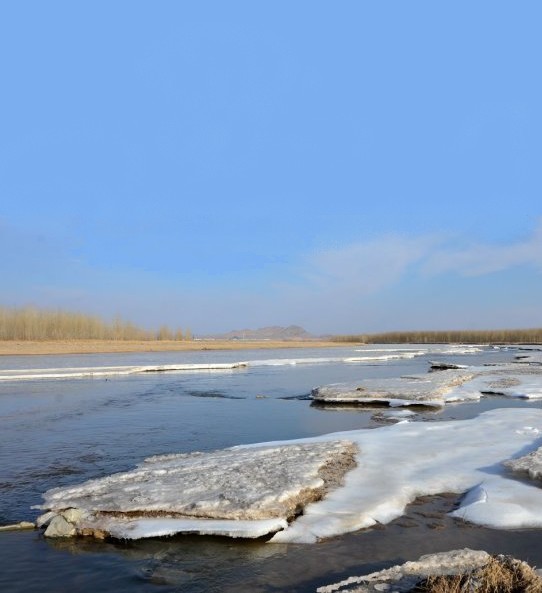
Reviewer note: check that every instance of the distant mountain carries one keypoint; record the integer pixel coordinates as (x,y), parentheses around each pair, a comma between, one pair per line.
(275,332)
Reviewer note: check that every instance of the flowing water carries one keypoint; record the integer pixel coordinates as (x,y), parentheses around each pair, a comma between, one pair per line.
(56,432)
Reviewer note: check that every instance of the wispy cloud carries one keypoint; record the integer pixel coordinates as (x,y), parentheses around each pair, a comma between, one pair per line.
(478,259)
(367,266)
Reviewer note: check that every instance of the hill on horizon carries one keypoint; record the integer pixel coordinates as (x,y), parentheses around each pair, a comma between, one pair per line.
(274,332)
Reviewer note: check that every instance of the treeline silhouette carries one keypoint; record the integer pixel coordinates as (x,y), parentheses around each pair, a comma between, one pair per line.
(30,323)
(499,336)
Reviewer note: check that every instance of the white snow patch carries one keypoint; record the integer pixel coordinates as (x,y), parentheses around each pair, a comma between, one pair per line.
(398,463)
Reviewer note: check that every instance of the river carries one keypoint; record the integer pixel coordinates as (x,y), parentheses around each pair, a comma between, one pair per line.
(56,432)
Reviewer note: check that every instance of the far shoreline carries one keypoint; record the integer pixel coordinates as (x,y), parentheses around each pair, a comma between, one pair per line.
(51,347)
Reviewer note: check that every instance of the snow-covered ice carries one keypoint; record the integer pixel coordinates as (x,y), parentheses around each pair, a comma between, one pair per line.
(398,463)
(239,490)
(366,355)
(112,371)
(397,414)
(534,357)
(439,387)
(383,357)
(443,365)
(529,465)
(269,482)
(510,381)
(429,389)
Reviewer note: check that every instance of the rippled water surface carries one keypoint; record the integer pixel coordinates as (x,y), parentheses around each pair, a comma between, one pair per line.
(60,432)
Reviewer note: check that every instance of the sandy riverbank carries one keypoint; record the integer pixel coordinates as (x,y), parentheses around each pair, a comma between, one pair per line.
(12,348)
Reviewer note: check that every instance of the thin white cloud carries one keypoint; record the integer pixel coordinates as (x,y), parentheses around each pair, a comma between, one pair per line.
(367,266)
(479,259)
(370,266)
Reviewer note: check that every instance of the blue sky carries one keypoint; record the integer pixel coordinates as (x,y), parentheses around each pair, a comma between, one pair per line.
(347,166)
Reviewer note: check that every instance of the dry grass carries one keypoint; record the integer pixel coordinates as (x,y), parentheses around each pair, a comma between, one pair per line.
(501,575)
(498,336)
(22,347)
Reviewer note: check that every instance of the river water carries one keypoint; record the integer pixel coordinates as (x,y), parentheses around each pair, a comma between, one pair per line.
(65,431)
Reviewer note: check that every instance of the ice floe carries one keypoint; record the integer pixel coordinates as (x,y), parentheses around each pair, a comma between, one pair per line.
(443,365)
(90,372)
(523,385)
(384,357)
(396,415)
(449,384)
(242,491)
(529,465)
(118,371)
(251,490)
(429,389)
(534,358)
(373,355)
(365,356)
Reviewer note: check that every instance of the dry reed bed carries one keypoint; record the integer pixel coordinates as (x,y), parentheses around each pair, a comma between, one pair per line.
(501,574)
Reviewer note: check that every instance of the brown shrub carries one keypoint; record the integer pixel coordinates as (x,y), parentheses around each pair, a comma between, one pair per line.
(501,575)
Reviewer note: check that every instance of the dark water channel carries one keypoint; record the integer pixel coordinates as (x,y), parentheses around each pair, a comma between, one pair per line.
(60,432)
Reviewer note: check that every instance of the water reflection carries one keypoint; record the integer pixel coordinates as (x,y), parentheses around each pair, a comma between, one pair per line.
(194,564)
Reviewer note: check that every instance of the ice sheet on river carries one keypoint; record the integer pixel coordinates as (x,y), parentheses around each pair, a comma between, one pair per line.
(430,389)
(438,388)
(242,491)
(236,491)
(379,355)
(112,371)
(534,357)
(529,465)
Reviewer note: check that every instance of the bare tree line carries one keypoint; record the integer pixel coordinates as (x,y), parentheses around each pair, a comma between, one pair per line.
(499,336)
(30,323)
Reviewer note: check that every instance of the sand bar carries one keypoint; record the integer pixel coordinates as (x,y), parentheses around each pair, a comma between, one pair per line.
(17,347)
